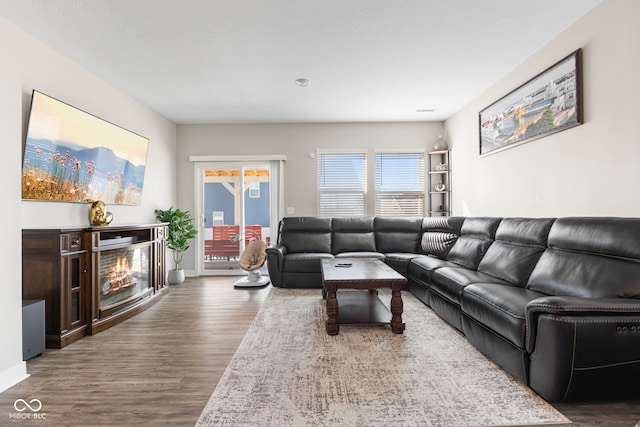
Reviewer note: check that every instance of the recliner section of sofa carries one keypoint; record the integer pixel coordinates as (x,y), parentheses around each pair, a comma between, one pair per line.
(447,283)
(493,311)
(590,274)
(295,260)
(555,302)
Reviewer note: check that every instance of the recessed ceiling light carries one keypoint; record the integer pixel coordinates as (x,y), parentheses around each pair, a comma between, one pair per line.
(425,110)
(303,82)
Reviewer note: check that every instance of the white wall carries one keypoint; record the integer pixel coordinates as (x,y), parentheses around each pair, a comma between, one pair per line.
(591,169)
(296,141)
(81,89)
(28,64)
(12,369)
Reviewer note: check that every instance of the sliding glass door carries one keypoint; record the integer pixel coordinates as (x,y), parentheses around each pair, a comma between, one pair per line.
(235,208)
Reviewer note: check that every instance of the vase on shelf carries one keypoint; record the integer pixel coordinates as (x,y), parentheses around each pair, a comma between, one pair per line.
(441,144)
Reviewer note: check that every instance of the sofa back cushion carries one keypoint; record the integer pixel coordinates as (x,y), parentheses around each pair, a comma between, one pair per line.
(306,234)
(590,257)
(352,235)
(439,235)
(476,235)
(397,234)
(519,243)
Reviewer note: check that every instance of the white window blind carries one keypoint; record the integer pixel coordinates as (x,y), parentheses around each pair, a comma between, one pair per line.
(400,184)
(342,184)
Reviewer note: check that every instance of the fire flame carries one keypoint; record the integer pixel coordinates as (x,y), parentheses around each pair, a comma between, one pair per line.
(119,277)
(121,269)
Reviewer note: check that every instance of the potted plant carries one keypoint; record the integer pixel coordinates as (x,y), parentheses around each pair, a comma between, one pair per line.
(180,232)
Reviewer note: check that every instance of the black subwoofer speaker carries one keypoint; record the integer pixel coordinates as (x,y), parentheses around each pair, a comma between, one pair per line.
(33,329)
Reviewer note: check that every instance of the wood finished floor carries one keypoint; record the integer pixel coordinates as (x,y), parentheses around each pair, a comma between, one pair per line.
(160,367)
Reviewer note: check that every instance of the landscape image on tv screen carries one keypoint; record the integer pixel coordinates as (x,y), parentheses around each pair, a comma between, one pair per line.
(73,156)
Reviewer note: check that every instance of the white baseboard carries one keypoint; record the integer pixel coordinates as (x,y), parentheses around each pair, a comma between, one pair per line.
(13,376)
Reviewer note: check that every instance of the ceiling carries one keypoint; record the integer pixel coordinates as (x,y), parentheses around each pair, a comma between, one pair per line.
(235,61)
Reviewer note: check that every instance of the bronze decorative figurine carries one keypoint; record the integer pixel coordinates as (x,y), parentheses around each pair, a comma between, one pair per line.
(98,214)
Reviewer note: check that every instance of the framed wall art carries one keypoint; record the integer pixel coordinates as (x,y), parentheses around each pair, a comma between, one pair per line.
(548,103)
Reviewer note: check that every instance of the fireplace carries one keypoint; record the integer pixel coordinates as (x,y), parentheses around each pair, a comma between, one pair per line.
(124,276)
(92,278)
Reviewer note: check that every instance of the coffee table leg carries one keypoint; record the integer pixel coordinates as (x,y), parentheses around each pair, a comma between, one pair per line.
(332,311)
(396,310)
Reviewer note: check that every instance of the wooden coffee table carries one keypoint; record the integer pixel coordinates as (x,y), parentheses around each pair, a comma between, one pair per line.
(360,305)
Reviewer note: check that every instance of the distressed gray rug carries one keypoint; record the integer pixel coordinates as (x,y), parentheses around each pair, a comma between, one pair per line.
(288,372)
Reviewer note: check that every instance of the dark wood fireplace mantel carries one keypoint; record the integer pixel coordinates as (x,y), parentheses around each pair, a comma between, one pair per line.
(63,267)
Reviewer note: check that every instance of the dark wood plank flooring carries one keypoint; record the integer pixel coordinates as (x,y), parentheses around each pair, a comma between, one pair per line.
(160,367)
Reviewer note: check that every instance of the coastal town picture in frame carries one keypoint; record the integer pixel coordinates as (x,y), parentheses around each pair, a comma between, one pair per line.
(548,103)
(73,156)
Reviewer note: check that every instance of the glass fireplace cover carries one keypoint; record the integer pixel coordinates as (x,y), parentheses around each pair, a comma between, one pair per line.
(124,274)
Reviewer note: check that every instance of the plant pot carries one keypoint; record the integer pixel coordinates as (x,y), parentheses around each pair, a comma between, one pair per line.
(175,277)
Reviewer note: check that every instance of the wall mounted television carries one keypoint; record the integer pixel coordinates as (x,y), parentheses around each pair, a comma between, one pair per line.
(73,156)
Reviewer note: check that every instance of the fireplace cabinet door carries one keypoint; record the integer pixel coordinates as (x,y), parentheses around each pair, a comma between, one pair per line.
(74,272)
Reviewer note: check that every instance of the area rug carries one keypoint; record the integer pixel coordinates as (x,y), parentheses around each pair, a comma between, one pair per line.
(288,372)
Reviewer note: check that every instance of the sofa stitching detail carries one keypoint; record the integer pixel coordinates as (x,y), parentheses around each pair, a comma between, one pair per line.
(582,252)
(618,307)
(608,365)
(565,320)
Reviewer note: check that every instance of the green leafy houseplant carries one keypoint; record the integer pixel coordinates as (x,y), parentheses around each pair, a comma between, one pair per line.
(180,231)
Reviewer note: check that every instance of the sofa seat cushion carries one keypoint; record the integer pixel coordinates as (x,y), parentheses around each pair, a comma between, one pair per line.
(449,282)
(500,308)
(305,262)
(399,261)
(421,267)
(377,255)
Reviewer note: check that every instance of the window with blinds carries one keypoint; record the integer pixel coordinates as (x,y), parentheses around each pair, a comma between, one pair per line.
(400,184)
(342,184)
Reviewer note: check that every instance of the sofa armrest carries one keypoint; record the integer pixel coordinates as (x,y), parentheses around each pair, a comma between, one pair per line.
(576,343)
(576,306)
(275,263)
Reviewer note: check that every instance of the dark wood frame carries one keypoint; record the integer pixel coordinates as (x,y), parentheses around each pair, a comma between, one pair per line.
(525,132)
